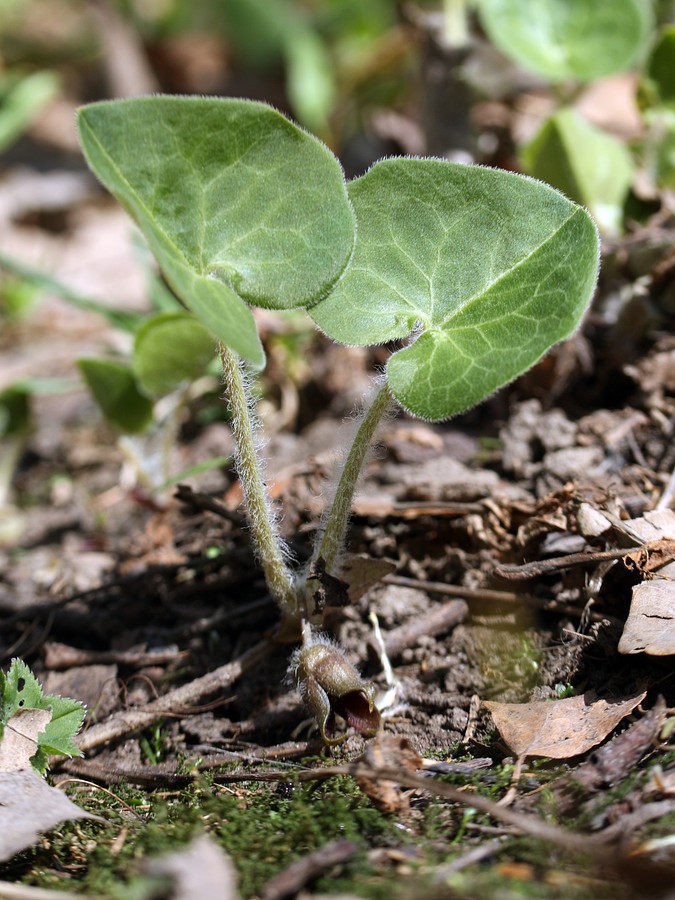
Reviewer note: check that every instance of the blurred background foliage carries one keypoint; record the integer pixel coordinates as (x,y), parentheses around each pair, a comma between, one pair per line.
(371,78)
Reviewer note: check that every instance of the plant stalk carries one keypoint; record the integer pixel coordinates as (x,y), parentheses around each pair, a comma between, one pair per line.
(265,538)
(332,540)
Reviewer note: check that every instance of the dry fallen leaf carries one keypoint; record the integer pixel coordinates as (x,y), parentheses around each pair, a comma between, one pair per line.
(395,752)
(28,807)
(200,870)
(20,738)
(559,728)
(650,626)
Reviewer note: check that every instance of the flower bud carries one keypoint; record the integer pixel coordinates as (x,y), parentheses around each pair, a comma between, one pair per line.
(331,686)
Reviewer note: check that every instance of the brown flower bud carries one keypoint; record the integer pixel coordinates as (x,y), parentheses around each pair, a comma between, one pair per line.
(331,686)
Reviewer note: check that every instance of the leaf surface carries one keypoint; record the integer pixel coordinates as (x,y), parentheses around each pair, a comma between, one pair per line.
(116,391)
(29,807)
(239,205)
(568,39)
(559,728)
(488,268)
(660,69)
(170,349)
(590,166)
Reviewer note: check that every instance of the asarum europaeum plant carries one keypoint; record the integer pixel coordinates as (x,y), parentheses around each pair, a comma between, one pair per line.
(477,271)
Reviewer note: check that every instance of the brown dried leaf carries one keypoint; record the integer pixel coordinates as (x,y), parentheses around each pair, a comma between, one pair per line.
(361,572)
(28,807)
(650,627)
(389,751)
(201,869)
(20,738)
(559,728)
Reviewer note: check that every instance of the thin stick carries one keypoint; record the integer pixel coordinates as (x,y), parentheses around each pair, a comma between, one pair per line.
(265,538)
(332,540)
(185,696)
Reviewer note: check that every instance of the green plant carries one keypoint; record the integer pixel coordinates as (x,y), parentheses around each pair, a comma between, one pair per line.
(477,271)
(146,397)
(33,725)
(570,45)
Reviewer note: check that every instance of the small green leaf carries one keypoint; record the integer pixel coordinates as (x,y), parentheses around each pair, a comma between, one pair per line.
(20,690)
(170,349)
(310,79)
(589,166)
(239,205)
(568,39)
(114,388)
(660,70)
(24,98)
(659,149)
(488,267)
(15,413)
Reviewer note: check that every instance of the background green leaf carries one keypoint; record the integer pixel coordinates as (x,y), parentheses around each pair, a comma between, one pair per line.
(660,69)
(491,268)
(590,166)
(239,205)
(114,388)
(568,39)
(170,349)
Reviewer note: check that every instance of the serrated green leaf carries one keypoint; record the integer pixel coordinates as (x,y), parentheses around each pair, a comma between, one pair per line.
(114,388)
(20,690)
(490,268)
(568,39)
(171,349)
(67,719)
(239,205)
(590,166)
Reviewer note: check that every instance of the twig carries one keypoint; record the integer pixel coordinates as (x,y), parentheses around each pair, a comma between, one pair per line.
(546,566)
(201,501)
(439,620)
(476,855)
(185,696)
(668,493)
(292,879)
(28,892)
(488,595)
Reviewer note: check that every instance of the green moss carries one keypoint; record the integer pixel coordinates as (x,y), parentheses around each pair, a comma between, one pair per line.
(265,827)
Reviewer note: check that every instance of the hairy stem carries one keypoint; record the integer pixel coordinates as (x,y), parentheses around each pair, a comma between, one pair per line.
(332,540)
(265,538)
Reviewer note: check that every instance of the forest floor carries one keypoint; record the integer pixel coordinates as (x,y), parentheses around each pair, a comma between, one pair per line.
(518,561)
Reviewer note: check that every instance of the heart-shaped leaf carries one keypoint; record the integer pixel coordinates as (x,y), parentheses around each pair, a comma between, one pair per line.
(568,39)
(589,165)
(171,348)
(239,205)
(490,268)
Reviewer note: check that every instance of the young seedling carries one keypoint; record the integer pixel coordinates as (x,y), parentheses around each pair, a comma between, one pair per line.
(478,272)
